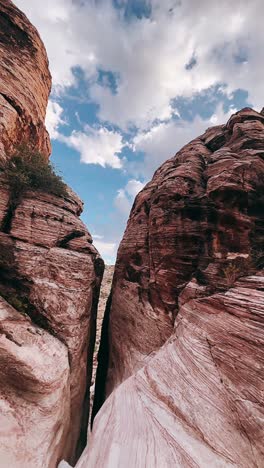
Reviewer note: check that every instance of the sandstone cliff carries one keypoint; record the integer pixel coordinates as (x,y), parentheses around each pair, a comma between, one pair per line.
(50,276)
(182,344)
(25,83)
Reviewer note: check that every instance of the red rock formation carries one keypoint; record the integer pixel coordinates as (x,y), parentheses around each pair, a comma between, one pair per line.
(49,264)
(49,272)
(25,83)
(187,347)
(197,402)
(35,393)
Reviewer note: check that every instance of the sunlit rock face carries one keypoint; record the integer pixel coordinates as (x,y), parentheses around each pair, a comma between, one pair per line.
(50,276)
(181,358)
(25,83)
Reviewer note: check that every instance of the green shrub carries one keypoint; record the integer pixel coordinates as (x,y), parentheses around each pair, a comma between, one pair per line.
(30,170)
(235,269)
(19,302)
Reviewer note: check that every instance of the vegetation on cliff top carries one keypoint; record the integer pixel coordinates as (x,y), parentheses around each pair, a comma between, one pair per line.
(29,170)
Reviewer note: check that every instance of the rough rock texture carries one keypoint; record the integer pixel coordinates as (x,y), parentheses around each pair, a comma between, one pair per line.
(51,270)
(181,334)
(24,83)
(50,276)
(197,403)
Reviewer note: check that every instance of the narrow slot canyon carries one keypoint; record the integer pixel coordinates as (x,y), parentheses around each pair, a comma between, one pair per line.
(156,361)
(103,297)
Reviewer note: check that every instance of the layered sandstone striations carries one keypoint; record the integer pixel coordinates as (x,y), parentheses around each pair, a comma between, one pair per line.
(182,346)
(197,402)
(34,392)
(51,272)
(24,83)
(50,276)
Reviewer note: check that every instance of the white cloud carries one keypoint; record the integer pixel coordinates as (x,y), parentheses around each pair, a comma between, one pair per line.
(107,250)
(54,119)
(122,202)
(149,55)
(97,236)
(97,146)
(162,141)
(133,187)
(62,30)
(126,195)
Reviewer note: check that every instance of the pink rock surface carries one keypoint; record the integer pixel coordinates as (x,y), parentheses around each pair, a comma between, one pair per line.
(59,282)
(48,221)
(197,402)
(25,83)
(34,393)
(181,357)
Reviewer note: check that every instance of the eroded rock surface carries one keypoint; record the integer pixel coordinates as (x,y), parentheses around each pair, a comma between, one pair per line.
(197,403)
(35,392)
(182,353)
(50,276)
(25,83)
(50,268)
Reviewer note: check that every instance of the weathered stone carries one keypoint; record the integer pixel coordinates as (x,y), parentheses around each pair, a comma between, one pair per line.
(47,221)
(60,282)
(25,83)
(197,402)
(34,393)
(200,206)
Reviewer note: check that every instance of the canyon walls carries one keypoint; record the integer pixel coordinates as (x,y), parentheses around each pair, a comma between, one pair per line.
(180,376)
(50,275)
(181,357)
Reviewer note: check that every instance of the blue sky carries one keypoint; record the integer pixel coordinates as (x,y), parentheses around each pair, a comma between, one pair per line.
(133,81)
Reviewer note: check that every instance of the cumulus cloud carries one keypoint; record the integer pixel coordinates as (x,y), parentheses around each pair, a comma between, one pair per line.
(133,187)
(97,146)
(125,196)
(54,119)
(62,30)
(107,250)
(122,203)
(153,56)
